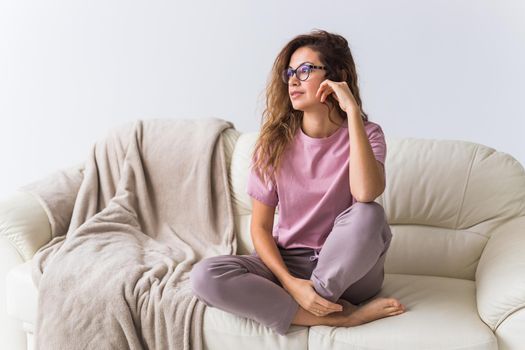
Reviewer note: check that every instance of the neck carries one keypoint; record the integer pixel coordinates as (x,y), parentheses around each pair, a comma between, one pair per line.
(318,125)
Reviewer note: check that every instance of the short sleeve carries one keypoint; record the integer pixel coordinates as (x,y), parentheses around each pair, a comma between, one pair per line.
(376,137)
(257,189)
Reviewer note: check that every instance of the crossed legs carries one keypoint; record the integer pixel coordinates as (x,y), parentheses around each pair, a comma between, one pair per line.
(350,268)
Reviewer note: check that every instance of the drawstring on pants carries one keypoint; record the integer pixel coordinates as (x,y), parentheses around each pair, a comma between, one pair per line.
(315,256)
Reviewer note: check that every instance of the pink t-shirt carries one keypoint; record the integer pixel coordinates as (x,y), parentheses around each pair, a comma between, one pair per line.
(313,186)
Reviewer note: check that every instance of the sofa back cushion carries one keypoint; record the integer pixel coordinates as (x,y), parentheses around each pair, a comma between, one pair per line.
(443,198)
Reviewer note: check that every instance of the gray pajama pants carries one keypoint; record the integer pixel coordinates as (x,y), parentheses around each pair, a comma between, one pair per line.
(350,266)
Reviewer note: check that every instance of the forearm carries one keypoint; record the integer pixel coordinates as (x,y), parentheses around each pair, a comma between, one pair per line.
(269,253)
(365,179)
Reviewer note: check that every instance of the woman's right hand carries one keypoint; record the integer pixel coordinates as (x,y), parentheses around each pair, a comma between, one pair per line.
(304,293)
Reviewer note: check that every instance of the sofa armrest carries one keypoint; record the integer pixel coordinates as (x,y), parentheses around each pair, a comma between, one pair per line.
(24,224)
(24,228)
(57,193)
(500,281)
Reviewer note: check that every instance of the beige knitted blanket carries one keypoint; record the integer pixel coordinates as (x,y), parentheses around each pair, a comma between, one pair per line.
(151,200)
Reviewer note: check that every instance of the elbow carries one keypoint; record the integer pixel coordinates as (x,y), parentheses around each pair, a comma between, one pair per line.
(368,196)
(364,199)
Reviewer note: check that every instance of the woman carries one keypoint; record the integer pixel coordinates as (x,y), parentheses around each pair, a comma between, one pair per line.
(321,161)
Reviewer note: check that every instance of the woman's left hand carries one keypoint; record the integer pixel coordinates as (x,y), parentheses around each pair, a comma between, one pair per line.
(342,94)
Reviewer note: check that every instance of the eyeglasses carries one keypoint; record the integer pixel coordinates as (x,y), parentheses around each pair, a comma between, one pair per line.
(302,72)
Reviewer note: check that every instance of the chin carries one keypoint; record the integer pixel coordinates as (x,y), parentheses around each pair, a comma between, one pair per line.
(300,105)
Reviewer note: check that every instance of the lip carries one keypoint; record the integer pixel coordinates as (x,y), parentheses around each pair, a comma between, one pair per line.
(296,94)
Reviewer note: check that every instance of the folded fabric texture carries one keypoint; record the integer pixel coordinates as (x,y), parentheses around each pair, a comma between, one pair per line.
(151,200)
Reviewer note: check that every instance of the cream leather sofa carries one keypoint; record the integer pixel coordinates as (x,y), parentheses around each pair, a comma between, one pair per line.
(457,259)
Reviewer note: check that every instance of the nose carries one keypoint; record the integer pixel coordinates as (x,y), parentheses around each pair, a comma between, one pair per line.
(293,80)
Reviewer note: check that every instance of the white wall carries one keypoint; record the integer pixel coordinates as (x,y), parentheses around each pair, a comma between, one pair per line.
(69,70)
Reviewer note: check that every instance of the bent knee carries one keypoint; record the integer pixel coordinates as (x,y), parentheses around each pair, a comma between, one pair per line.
(210,274)
(198,276)
(201,276)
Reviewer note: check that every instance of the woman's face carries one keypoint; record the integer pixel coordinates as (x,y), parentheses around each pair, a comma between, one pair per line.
(308,88)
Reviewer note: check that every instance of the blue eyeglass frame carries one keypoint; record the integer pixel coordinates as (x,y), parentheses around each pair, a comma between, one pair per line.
(311,67)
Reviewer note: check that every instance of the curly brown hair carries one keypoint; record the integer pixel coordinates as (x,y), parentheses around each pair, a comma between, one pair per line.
(280,121)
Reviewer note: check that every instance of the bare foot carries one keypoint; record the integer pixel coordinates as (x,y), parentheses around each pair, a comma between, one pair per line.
(373,310)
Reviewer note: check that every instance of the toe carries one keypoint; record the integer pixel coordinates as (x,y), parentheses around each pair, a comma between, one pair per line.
(393,303)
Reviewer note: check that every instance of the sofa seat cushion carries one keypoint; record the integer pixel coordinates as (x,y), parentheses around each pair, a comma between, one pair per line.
(21,294)
(223,330)
(441,313)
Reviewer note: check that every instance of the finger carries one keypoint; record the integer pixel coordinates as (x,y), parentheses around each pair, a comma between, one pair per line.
(321,303)
(313,310)
(316,312)
(325,310)
(327,313)
(323,98)
(319,91)
(328,304)
(319,300)
(322,87)
(319,313)
(325,93)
